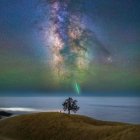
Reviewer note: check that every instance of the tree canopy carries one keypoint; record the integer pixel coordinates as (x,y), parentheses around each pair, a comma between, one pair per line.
(70,105)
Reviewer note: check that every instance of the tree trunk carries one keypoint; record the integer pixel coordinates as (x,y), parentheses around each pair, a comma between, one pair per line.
(68,111)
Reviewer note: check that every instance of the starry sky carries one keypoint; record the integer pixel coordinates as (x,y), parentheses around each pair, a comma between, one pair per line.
(68,46)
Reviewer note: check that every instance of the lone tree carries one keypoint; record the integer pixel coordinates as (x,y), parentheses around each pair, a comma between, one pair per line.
(70,105)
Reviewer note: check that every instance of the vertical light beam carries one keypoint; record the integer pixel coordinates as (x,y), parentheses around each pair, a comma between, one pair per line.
(77,88)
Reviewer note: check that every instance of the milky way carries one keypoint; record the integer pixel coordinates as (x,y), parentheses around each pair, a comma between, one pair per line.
(71,45)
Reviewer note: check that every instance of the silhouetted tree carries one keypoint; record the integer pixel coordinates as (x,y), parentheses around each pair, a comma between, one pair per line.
(70,105)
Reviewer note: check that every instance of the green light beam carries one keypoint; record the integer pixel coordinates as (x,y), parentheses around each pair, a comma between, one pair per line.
(77,88)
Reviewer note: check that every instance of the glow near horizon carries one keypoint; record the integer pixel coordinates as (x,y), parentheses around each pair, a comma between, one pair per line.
(22,109)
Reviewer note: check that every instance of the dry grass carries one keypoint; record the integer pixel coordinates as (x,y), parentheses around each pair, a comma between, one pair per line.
(59,126)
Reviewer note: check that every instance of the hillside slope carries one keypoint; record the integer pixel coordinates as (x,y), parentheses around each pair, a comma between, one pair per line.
(60,126)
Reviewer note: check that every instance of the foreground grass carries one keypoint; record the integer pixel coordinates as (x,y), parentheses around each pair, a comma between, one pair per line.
(60,126)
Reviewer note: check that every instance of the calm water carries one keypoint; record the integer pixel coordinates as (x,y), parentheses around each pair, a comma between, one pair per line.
(120,109)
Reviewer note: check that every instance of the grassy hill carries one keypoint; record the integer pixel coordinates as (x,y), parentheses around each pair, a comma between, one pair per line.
(60,126)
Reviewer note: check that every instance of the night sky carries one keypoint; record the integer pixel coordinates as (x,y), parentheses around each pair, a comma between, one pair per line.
(70,46)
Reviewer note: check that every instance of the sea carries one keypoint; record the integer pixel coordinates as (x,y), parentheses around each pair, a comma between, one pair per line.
(118,109)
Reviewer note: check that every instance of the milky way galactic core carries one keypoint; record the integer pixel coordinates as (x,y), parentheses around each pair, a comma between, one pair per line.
(72,46)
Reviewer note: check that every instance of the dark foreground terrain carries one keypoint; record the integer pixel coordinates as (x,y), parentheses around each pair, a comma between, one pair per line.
(60,126)
(5,114)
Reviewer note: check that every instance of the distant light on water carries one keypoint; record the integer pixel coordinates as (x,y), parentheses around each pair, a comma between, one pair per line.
(20,109)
